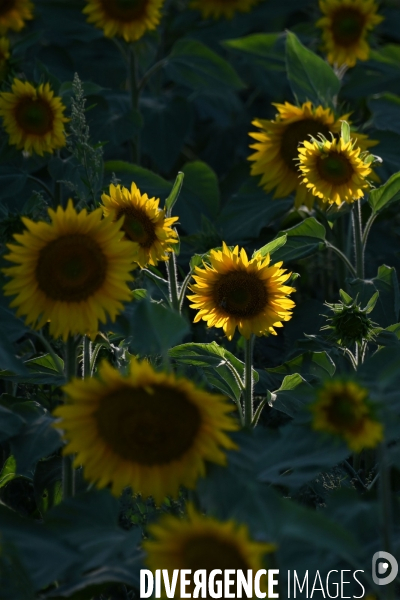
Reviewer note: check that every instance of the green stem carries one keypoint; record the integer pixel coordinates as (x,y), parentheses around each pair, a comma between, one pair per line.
(248,381)
(68,471)
(343,258)
(386,517)
(43,185)
(367,229)
(184,288)
(86,356)
(173,282)
(135,94)
(358,239)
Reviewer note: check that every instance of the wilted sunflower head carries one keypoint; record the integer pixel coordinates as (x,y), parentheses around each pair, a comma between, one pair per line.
(149,430)
(202,542)
(216,9)
(145,224)
(33,117)
(14,13)
(343,408)
(335,171)
(277,148)
(233,291)
(129,19)
(345,26)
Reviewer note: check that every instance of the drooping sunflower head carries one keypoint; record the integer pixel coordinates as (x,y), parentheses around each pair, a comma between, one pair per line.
(151,431)
(202,542)
(335,171)
(278,141)
(33,117)
(345,26)
(71,272)
(343,408)
(14,13)
(233,291)
(216,9)
(129,19)
(145,224)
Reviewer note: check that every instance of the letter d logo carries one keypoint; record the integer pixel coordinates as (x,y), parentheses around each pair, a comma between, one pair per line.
(383,568)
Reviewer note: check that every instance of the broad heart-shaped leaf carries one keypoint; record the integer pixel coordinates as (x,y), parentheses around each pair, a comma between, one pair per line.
(388,193)
(386,311)
(316,364)
(151,327)
(15,581)
(310,77)
(248,211)
(216,358)
(36,440)
(272,247)
(39,371)
(47,483)
(42,553)
(199,196)
(302,240)
(194,65)
(261,48)
(385,110)
(291,395)
(10,423)
(147,181)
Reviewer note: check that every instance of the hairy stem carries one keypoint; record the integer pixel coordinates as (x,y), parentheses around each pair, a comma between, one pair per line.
(68,471)
(358,239)
(173,282)
(248,381)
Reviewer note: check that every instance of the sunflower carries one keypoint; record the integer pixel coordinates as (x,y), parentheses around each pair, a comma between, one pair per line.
(33,117)
(234,291)
(345,26)
(14,13)
(70,272)
(145,224)
(202,542)
(151,431)
(4,56)
(334,171)
(222,8)
(129,19)
(343,408)
(278,141)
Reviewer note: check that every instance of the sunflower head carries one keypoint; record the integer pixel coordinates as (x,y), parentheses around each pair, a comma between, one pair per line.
(216,9)
(233,291)
(151,431)
(33,117)
(277,146)
(145,224)
(71,272)
(129,19)
(335,171)
(350,324)
(202,542)
(14,14)
(343,408)
(345,26)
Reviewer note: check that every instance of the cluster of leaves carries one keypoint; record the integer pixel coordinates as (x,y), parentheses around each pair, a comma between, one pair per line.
(202,84)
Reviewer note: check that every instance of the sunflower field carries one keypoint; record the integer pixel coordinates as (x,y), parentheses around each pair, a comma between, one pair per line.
(199,300)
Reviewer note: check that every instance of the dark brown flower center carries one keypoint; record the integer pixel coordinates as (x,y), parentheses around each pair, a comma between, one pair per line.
(71,268)
(347,26)
(240,294)
(34,116)
(343,412)
(295,134)
(335,168)
(209,552)
(124,10)
(149,426)
(137,226)
(6,6)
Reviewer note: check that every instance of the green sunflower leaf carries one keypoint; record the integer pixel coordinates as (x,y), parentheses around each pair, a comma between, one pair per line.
(310,77)
(272,247)
(388,193)
(302,240)
(317,364)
